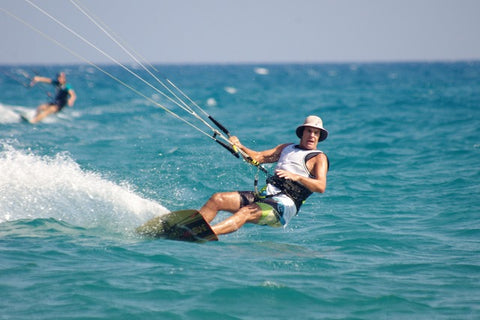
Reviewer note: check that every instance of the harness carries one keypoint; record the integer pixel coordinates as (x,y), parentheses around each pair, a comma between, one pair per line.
(294,190)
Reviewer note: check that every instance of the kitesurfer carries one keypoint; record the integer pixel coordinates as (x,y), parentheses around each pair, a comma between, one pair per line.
(64,94)
(301,170)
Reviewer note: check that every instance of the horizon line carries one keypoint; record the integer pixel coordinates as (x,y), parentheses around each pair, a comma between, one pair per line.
(291,62)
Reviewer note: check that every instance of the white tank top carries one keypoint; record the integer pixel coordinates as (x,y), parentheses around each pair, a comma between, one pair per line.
(292,159)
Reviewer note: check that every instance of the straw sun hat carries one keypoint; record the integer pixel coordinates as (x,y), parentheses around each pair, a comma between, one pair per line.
(314,122)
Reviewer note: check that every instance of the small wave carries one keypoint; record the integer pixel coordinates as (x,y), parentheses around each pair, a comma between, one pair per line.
(39,228)
(261,71)
(230,90)
(35,187)
(211,102)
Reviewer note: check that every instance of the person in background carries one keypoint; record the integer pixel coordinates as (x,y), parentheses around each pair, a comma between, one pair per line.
(64,94)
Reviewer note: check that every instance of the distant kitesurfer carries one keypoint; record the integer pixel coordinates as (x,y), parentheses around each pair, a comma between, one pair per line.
(301,170)
(64,95)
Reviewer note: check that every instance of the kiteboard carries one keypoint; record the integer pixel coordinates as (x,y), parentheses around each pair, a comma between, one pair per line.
(184,225)
(24,118)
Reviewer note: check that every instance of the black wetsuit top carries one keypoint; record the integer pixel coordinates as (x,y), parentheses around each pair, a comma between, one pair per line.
(61,94)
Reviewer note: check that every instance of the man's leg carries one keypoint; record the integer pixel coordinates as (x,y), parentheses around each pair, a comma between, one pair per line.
(251,213)
(226,201)
(43,111)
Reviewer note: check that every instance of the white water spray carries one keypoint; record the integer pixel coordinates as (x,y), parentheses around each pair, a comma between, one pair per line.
(33,187)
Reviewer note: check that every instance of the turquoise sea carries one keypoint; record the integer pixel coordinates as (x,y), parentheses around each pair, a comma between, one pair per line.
(396,235)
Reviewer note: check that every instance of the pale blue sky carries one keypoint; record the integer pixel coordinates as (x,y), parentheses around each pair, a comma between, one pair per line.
(267,31)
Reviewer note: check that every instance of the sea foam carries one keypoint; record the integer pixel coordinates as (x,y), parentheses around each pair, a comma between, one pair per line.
(33,187)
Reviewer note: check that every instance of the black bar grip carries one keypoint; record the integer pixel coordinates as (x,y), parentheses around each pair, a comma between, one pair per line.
(219,125)
(229,148)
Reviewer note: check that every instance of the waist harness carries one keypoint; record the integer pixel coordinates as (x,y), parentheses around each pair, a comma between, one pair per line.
(296,191)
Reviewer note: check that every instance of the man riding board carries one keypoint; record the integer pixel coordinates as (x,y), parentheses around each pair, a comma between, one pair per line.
(64,95)
(301,170)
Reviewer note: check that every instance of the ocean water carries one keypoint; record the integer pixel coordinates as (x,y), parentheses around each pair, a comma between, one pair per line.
(396,235)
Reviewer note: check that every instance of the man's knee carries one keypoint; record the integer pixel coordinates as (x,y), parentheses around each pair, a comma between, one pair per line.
(218,198)
(227,201)
(224,198)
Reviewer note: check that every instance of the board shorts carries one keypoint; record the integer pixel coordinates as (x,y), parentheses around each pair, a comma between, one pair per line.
(60,104)
(276,211)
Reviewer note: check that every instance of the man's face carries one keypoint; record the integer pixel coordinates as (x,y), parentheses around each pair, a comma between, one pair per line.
(310,138)
(62,79)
